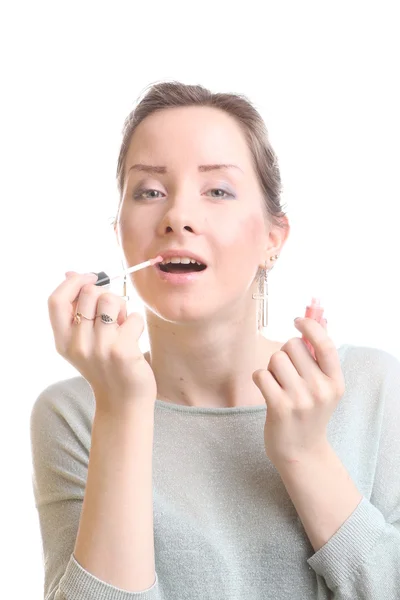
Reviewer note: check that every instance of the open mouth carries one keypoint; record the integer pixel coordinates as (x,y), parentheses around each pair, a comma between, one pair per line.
(181,268)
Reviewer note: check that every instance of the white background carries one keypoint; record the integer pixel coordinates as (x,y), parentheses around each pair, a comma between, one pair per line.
(325,77)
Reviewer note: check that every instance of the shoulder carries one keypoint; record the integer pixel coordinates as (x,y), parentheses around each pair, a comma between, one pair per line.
(60,435)
(69,402)
(372,366)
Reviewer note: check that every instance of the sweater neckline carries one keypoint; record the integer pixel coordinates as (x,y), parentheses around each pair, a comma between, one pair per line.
(227,410)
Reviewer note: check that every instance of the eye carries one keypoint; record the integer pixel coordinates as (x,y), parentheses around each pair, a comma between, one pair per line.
(223,192)
(139,194)
(143,194)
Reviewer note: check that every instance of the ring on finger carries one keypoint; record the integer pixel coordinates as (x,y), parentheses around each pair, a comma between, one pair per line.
(79,316)
(104,318)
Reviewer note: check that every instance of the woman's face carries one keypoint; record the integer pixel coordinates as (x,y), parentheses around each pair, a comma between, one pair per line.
(214,213)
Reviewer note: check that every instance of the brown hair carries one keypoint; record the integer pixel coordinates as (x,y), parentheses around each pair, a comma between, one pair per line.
(175,94)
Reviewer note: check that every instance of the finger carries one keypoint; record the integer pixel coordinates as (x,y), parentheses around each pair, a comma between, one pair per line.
(310,348)
(284,370)
(323,323)
(326,354)
(268,386)
(298,350)
(61,303)
(123,313)
(82,337)
(105,333)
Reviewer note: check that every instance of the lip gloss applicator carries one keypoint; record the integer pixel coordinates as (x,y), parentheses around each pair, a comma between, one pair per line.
(313,311)
(104,279)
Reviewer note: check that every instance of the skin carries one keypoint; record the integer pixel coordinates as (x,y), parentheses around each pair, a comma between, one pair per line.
(204,343)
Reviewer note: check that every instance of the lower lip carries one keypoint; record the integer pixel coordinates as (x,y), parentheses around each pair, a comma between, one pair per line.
(179,278)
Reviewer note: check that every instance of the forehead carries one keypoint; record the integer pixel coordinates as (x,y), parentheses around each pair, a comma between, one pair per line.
(203,134)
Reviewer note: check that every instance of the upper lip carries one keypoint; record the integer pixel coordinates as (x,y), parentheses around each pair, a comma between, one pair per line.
(170,253)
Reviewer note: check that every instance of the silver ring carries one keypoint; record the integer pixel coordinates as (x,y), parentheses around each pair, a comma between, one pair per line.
(106,319)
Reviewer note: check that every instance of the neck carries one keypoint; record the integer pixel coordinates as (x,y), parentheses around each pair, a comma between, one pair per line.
(207,366)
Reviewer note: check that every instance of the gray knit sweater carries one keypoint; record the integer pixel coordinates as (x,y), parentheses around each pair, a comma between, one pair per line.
(224,525)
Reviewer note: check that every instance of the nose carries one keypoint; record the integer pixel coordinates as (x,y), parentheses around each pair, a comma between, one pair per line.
(181,214)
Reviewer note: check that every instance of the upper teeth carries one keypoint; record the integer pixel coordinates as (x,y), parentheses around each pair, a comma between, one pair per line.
(180,259)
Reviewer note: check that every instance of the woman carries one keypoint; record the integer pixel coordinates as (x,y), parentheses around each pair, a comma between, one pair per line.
(220,464)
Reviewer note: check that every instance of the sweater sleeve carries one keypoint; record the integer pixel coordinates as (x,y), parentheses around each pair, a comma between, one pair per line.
(361,560)
(60,431)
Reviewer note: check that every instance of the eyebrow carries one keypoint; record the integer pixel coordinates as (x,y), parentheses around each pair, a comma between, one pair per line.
(162,170)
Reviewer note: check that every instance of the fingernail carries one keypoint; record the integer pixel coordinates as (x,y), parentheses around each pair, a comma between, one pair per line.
(69,274)
(298,319)
(92,276)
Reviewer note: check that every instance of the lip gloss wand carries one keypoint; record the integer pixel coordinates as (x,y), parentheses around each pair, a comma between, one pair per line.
(104,279)
(313,311)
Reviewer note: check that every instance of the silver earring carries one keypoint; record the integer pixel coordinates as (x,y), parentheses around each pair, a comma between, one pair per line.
(262,295)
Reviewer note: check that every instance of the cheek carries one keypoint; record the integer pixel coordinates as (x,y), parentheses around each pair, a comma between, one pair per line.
(241,243)
(134,239)
(255,230)
(244,236)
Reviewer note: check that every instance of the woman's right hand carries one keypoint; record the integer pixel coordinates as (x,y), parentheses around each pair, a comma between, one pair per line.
(107,355)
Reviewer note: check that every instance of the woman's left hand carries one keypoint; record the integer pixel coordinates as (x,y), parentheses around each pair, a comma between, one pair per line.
(301,394)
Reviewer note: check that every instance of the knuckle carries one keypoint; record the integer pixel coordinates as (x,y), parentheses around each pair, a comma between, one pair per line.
(60,348)
(327,347)
(78,353)
(89,289)
(116,354)
(52,300)
(108,297)
(340,387)
(100,352)
(277,358)
(319,393)
(320,390)
(293,344)
(304,402)
(109,303)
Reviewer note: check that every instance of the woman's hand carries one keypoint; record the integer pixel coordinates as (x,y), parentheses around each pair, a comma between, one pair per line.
(301,394)
(107,355)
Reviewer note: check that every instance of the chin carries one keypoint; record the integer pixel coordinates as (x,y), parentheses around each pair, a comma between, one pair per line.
(179,314)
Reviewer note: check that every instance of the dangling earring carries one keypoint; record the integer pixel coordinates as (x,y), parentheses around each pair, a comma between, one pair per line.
(262,296)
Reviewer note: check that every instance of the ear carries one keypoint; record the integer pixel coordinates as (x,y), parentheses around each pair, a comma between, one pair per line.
(277,236)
